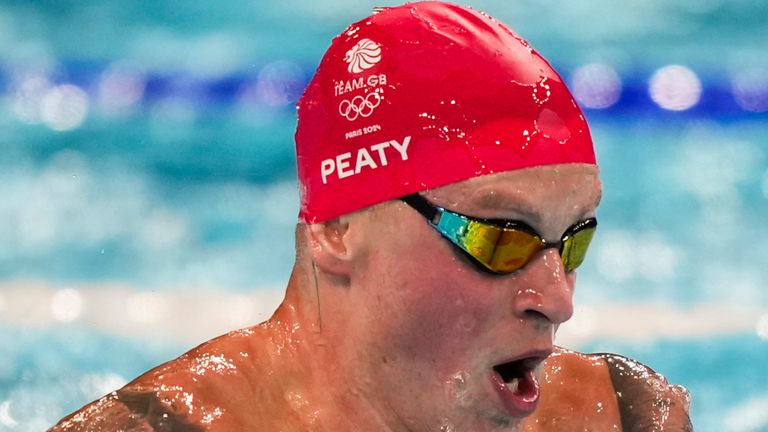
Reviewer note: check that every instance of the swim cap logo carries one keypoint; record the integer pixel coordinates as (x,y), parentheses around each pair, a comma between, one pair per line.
(359,106)
(363,56)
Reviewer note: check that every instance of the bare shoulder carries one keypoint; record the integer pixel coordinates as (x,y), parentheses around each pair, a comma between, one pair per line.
(607,392)
(576,394)
(647,401)
(193,389)
(137,412)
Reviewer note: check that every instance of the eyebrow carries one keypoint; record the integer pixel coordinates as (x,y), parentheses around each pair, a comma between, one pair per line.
(518,203)
(434,213)
(527,212)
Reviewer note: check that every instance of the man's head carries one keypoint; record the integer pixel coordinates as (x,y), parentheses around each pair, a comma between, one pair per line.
(445,102)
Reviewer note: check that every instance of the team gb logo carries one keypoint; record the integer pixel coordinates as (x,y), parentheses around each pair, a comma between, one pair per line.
(363,56)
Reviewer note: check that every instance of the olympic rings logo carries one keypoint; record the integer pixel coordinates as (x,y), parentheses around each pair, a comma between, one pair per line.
(359,106)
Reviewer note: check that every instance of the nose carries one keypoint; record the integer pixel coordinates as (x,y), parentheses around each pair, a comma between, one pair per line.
(545,290)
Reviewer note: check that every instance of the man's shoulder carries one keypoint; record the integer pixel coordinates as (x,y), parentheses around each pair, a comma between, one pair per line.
(129,412)
(195,388)
(608,392)
(227,355)
(646,399)
(576,394)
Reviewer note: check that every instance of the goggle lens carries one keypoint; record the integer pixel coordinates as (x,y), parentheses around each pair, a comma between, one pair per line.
(500,249)
(574,248)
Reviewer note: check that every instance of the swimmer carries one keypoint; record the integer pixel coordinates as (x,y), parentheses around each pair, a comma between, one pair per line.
(448,190)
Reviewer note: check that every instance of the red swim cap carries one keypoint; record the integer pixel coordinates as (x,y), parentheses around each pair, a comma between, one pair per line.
(423,95)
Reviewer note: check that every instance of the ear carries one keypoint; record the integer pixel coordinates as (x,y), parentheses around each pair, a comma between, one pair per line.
(329,245)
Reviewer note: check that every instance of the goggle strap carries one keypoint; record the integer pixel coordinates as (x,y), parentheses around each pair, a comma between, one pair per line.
(422,206)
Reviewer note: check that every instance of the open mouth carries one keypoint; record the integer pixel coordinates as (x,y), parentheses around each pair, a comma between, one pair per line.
(519,377)
(517,385)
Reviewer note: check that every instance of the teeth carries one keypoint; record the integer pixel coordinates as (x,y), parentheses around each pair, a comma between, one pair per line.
(513,385)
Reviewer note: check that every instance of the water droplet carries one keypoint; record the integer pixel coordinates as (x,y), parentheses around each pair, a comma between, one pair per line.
(541,91)
(552,126)
(458,387)
(447,426)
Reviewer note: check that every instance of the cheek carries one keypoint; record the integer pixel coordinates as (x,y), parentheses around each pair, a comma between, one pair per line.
(424,303)
(433,311)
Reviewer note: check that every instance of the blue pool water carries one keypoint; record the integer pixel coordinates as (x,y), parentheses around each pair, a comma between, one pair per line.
(147,179)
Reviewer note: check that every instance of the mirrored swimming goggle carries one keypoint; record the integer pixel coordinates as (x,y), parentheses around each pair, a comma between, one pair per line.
(503,246)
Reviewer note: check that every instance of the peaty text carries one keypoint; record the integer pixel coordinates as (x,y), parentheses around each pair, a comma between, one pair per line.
(373,157)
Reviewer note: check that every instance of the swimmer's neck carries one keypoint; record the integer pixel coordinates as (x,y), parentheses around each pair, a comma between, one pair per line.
(321,391)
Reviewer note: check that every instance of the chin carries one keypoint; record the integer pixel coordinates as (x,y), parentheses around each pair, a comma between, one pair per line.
(495,424)
(474,419)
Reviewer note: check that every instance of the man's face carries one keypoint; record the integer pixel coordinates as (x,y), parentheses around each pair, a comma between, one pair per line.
(435,339)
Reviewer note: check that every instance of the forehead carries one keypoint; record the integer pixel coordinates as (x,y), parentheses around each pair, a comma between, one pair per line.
(568,192)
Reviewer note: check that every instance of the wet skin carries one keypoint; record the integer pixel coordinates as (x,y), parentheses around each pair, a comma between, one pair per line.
(577,393)
(386,327)
(431,327)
